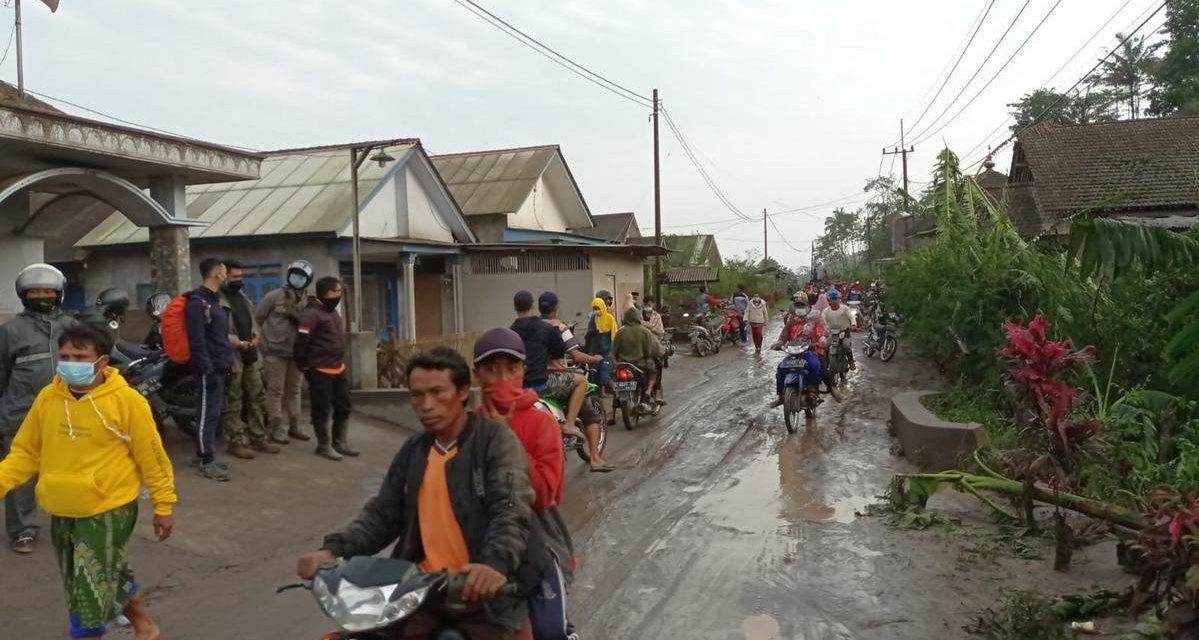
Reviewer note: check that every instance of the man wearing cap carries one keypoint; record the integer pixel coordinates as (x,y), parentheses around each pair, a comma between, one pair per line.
(570,387)
(542,342)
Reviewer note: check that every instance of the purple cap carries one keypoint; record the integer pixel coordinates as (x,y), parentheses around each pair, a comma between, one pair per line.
(499,340)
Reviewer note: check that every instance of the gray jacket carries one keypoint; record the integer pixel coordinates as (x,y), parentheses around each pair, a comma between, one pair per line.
(277,316)
(28,356)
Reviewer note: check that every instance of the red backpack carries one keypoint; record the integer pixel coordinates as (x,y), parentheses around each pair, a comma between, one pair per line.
(174,329)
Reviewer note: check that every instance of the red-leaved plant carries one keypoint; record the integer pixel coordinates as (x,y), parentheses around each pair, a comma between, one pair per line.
(1168,548)
(1036,366)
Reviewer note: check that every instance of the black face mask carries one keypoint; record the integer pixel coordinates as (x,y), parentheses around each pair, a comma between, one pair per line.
(331,303)
(40,305)
(235,286)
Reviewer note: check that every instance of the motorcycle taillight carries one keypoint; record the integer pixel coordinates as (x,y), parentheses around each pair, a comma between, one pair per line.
(623,374)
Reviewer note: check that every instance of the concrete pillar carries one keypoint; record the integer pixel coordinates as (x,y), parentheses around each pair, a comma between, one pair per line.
(408,298)
(16,251)
(364,360)
(170,247)
(455,264)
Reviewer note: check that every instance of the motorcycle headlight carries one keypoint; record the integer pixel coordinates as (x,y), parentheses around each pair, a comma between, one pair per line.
(356,608)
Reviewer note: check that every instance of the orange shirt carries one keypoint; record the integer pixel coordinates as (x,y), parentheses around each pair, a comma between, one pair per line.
(440,533)
(334,372)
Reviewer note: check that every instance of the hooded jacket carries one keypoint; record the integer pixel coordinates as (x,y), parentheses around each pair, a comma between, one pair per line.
(91,454)
(28,355)
(634,343)
(278,314)
(490,494)
(207,332)
(758,312)
(541,437)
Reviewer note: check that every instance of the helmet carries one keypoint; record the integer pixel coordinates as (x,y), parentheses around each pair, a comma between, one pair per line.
(833,294)
(40,276)
(114,301)
(603,294)
(157,303)
(303,267)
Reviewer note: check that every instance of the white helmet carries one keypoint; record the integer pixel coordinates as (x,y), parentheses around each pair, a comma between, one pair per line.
(40,276)
(302,267)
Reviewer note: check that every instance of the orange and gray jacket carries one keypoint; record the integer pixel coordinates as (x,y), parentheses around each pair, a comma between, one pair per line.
(28,355)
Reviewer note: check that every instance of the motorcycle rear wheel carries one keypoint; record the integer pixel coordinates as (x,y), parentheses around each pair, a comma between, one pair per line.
(890,344)
(629,415)
(791,409)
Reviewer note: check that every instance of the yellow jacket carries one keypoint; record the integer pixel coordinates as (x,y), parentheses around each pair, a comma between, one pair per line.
(91,454)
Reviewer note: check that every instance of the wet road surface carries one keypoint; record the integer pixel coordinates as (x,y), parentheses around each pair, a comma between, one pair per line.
(717,525)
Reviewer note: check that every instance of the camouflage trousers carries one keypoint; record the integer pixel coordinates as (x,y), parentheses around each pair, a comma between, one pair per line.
(242,417)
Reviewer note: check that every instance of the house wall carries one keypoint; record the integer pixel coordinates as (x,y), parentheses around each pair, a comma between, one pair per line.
(404,206)
(488,297)
(488,227)
(424,220)
(619,274)
(541,210)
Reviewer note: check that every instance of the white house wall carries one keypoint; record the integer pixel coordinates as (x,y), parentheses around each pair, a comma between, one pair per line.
(403,207)
(382,217)
(424,218)
(488,297)
(625,273)
(541,210)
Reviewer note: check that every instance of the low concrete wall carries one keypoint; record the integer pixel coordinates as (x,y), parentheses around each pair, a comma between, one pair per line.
(393,406)
(929,442)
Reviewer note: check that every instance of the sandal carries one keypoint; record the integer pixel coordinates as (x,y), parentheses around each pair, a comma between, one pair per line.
(23,543)
(602,468)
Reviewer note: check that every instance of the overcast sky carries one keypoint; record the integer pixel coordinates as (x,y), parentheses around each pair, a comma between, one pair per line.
(787,102)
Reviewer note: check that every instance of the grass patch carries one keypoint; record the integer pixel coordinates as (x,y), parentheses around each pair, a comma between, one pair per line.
(962,403)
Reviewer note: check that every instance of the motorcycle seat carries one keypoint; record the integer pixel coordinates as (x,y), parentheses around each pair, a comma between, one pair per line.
(130,351)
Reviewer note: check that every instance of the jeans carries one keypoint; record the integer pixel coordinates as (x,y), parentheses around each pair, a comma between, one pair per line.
(328,393)
(744,337)
(20,505)
(210,395)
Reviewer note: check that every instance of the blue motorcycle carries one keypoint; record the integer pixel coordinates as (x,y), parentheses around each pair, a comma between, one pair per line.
(800,376)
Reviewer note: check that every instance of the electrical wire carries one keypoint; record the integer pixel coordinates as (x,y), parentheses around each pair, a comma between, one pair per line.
(993,76)
(782,237)
(8,46)
(977,71)
(977,27)
(687,150)
(550,54)
(1089,74)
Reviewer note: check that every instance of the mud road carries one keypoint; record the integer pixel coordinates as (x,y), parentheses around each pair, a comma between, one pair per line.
(717,525)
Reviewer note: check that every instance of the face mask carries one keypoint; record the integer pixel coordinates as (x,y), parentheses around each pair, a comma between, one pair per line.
(649,307)
(297,281)
(235,286)
(77,374)
(40,305)
(331,303)
(504,392)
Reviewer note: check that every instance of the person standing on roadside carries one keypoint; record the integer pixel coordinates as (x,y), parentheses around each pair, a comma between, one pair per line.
(28,355)
(245,398)
(320,353)
(93,441)
(278,313)
(211,356)
(756,314)
(741,303)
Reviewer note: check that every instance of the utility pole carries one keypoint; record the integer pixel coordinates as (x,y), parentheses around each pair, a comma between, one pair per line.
(657,212)
(903,150)
(20,56)
(765,240)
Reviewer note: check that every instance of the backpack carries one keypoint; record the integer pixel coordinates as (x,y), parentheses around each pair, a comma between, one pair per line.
(174,329)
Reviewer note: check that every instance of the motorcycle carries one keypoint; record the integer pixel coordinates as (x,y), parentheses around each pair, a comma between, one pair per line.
(570,441)
(730,329)
(703,341)
(366,596)
(838,356)
(883,336)
(629,384)
(799,394)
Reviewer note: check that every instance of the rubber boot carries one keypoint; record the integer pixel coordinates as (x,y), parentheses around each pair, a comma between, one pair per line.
(340,444)
(293,431)
(322,442)
(278,433)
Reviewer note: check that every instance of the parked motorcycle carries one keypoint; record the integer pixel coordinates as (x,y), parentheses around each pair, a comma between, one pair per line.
(799,394)
(366,596)
(882,336)
(703,341)
(838,356)
(572,442)
(629,383)
(730,329)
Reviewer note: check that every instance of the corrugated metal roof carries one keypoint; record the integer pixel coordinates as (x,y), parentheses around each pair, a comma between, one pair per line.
(486,182)
(686,275)
(299,192)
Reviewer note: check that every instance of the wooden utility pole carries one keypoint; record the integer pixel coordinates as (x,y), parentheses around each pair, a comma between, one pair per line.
(903,150)
(765,240)
(657,211)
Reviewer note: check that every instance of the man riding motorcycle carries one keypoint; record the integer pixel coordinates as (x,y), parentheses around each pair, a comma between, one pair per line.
(839,318)
(805,326)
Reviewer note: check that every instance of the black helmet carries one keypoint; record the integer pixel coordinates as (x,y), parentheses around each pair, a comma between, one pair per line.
(157,303)
(40,276)
(302,267)
(114,301)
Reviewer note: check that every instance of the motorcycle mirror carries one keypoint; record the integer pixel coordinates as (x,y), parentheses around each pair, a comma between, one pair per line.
(114,325)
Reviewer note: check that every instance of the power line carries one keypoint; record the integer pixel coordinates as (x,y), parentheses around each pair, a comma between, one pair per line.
(976,71)
(552,55)
(973,34)
(1089,74)
(687,150)
(994,76)
(782,237)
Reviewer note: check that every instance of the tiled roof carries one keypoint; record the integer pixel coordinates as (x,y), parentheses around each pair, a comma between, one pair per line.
(1127,165)
(616,227)
(1022,209)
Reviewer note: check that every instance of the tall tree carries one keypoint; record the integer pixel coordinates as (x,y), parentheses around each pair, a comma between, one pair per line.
(1177,75)
(1050,106)
(1129,70)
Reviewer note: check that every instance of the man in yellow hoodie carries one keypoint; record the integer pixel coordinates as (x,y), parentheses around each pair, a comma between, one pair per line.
(92,441)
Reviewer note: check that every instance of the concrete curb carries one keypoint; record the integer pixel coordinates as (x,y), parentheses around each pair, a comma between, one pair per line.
(392,406)
(929,442)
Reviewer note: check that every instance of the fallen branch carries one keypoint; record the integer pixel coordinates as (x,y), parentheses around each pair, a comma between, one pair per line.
(908,489)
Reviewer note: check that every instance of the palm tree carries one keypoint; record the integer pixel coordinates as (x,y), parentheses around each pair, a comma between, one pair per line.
(1129,69)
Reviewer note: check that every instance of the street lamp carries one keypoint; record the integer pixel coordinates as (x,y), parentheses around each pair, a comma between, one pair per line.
(357,156)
